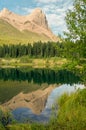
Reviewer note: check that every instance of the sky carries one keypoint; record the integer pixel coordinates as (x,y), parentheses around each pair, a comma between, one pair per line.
(55,10)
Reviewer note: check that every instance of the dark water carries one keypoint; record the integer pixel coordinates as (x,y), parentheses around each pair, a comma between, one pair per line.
(39,76)
(30,93)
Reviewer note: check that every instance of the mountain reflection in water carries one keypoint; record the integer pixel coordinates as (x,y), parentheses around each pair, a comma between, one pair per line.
(23,114)
(36,100)
(30,93)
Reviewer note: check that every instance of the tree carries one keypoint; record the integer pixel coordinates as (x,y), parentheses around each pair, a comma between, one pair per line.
(76,22)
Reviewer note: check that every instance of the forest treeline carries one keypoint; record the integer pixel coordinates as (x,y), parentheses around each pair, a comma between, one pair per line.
(36,50)
(39,50)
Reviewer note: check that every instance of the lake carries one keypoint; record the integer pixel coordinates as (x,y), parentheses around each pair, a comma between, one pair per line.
(30,93)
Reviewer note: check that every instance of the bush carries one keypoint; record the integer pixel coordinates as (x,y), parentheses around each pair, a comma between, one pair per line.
(5,117)
(2,127)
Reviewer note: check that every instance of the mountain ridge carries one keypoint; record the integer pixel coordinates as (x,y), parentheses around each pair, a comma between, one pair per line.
(36,22)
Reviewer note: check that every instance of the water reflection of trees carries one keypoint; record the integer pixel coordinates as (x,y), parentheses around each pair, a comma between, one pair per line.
(40,76)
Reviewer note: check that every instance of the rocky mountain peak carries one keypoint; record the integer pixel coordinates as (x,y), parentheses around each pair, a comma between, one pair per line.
(4,12)
(37,11)
(34,22)
(39,18)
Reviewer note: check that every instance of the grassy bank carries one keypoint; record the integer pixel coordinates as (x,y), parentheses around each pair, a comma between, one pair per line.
(71,115)
(52,62)
(33,62)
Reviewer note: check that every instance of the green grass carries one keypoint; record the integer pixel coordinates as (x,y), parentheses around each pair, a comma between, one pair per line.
(26,127)
(10,35)
(2,127)
(72,112)
(19,127)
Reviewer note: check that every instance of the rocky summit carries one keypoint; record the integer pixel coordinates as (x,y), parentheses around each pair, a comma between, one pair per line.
(35,22)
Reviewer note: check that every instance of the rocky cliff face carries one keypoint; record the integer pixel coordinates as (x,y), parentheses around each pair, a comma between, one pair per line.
(34,22)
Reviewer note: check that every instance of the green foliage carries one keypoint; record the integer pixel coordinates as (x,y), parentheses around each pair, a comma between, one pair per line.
(71,65)
(76,21)
(63,99)
(5,117)
(2,127)
(76,35)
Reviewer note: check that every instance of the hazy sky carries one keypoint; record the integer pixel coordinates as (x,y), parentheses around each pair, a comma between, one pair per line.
(55,10)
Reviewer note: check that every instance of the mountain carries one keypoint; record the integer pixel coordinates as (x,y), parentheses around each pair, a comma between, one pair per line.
(29,28)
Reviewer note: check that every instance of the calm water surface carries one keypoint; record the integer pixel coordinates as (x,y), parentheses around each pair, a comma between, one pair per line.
(30,93)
